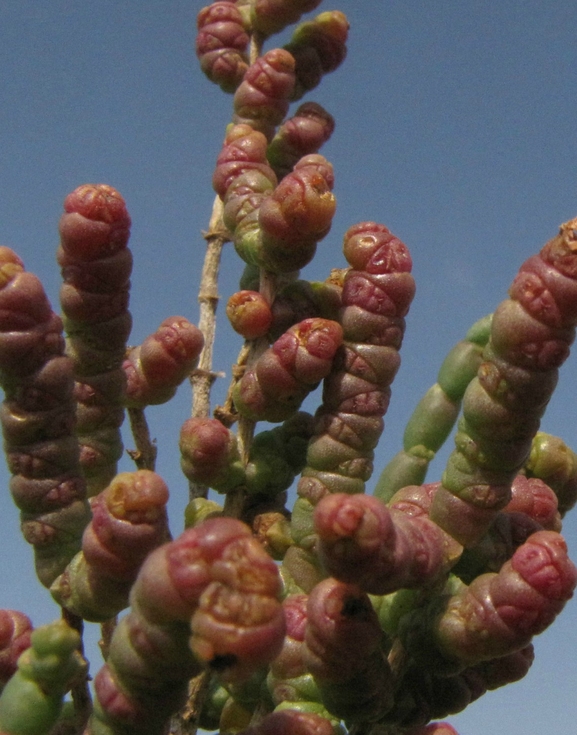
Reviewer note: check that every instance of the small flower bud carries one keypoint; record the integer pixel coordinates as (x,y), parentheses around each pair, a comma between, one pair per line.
(249,314)
(222,43)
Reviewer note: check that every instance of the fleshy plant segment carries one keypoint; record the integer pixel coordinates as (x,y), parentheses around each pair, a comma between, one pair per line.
(371,606)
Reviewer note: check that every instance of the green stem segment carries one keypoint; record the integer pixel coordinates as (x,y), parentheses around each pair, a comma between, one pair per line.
(32,699)
(436,413)
(502,407)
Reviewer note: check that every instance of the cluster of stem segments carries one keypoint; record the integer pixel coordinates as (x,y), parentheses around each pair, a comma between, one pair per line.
(376,613)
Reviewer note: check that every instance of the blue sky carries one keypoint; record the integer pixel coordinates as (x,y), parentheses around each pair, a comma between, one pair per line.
(455,127)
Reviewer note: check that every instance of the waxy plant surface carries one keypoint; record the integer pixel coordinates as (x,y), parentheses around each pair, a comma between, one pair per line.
(411,163)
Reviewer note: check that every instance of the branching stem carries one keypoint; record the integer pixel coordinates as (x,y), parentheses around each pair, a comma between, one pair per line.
(144,456)
(203,377)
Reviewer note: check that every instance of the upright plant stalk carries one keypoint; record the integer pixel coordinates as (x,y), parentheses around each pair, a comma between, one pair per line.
(377,292)
(203,377)
(530,337)
(96,265)
(38,421)
(436,413)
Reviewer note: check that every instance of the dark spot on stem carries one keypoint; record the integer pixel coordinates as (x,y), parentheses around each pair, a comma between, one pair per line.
(354,607)
(223,662)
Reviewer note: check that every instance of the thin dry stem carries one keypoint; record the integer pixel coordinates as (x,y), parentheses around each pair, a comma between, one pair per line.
(79,691)
(106,631)
(227,413)
(234,503)
(186,721)
(252,351)
(268,285)
(397,658)
(144,456)
(255,49)
(203,377)
(249,353)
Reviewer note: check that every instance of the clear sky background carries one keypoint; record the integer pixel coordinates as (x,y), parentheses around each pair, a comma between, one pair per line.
(455,128)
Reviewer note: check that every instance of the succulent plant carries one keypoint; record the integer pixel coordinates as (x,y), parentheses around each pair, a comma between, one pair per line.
(304,596)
